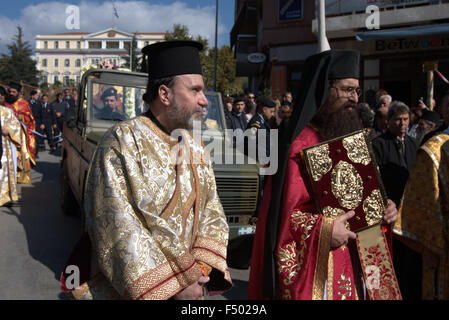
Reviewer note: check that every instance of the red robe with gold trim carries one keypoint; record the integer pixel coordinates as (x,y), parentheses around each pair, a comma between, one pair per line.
(306,266)
(23,112)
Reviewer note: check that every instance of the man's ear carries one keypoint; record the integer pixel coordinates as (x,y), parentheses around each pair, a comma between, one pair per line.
(164,94)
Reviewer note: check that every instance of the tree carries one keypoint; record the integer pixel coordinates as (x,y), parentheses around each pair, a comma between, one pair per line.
(227,83)
(181,32)
(19,64)
(136,64)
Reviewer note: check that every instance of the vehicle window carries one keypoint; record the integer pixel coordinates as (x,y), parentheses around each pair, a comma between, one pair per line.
(211,114)
(116,103)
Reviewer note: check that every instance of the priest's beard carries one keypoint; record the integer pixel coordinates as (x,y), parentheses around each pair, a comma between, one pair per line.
(182,117)
(339,123)
(11,99)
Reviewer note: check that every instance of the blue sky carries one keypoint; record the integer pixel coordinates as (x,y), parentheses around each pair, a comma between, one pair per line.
(44,17)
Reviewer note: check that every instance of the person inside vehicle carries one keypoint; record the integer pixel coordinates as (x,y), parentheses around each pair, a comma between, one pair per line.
(111,110)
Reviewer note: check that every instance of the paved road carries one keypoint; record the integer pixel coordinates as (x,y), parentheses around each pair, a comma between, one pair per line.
(36,238)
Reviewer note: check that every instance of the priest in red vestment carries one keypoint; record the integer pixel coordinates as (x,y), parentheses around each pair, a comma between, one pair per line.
(23,113)
(298,253)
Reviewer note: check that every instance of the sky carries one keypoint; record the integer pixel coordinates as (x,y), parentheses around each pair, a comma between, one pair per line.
(49,17)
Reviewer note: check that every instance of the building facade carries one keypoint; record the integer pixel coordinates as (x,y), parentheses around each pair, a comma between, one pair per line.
(410,34)
(61,57)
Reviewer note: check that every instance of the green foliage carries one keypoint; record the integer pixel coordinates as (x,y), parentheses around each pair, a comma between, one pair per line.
(132,52)
(19,64)
(227,83)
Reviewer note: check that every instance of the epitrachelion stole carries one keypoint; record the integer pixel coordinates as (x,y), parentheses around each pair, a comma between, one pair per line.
(344,176)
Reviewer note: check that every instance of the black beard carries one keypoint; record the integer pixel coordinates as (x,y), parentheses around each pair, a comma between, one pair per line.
(11,99)
(340,123)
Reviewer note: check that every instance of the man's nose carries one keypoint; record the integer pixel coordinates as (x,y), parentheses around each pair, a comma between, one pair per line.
(203,100)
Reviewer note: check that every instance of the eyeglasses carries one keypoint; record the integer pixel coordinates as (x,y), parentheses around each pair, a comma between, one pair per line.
(252,97)
(349,91)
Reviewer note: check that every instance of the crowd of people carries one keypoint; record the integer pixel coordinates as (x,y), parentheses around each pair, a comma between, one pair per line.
(26,127)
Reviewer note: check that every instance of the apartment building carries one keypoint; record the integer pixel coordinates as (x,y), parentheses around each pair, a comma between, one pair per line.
(410,34)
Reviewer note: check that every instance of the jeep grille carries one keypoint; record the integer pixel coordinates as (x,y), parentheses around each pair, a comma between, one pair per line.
(238,195)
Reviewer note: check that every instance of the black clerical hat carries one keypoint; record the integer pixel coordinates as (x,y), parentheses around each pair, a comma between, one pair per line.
(15,85)
(431,116)
(345,64)
(172,58)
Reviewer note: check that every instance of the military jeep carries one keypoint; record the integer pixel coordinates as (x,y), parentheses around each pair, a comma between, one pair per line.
(237,184)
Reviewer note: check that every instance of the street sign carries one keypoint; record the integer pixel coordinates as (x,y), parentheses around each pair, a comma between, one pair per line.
(256,57)
(290,10)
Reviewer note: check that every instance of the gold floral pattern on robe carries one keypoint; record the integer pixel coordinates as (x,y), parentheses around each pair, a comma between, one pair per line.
(423,217)
(11,143)
(150,220)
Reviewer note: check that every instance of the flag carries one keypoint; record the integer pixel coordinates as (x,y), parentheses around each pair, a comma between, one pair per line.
(115,10)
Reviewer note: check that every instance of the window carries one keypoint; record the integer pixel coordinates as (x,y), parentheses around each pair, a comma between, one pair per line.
(95,45)
(67,44)
(66,81)
(112,45)
(78,63)
(44,62)
(78,44)
(45,44)
(56,63)
(44,80)
(77,80)
(147,43)
(95,60)
(56,79)
(56,45)
(67,63)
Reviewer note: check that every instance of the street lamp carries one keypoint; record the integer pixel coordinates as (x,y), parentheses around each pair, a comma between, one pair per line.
(216,50)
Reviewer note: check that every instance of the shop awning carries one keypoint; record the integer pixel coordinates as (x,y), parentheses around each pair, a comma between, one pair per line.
(403,32)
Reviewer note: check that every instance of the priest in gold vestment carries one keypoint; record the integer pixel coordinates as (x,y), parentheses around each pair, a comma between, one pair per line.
(423,222)
(153,215)
(11,141)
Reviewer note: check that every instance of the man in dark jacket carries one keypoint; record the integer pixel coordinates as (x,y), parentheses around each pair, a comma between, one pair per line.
(60,107)
(48,121)
(265,111)
(237,118)
(396,153)
(35,106)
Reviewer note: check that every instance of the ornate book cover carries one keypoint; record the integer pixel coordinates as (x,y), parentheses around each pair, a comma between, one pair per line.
(344,176)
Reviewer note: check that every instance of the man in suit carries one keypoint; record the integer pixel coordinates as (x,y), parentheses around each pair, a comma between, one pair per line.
(48,121)
(396,153)
(35,106)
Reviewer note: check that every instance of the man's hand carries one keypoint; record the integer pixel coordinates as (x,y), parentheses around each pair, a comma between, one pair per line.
(390,213)
(341,235)
(54,126)
(194,291)
(5,132)
(58,114)
(42,127)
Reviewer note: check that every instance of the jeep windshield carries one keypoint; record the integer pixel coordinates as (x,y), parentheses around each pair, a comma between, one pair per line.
(118,103)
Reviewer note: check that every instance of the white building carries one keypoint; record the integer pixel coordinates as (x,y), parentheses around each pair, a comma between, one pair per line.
(61,57)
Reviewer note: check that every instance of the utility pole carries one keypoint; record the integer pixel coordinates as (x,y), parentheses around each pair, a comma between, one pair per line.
(216,49)
(322,40)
